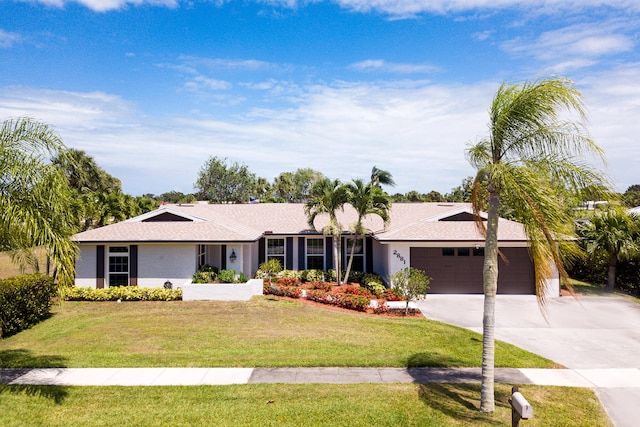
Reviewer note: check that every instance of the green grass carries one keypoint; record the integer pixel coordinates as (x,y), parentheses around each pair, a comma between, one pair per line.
(290,405)
(264,332)
(589,289)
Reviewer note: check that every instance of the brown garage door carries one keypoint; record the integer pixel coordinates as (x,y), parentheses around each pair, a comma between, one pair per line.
(459,270)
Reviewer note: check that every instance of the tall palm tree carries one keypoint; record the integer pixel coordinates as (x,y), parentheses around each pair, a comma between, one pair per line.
(366,199)
(35,197)
(381,177)
(327,197)
(614,232)
(531,159)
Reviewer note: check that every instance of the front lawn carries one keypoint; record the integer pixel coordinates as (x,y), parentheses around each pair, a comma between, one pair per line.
(264,332)
(291,405)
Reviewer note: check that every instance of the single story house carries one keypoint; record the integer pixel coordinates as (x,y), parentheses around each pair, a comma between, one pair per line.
(172,242)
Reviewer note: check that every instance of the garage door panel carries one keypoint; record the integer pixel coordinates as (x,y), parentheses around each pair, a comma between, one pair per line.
(463,274)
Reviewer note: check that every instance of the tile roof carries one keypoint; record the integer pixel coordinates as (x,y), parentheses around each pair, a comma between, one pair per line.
(248,222)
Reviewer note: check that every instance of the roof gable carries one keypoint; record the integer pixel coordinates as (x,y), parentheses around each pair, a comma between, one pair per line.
(166,214)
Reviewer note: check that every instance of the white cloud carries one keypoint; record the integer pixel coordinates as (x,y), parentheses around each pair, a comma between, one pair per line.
(65,109)
(395,8)
(236,64)
(408,8)
(8,39)
(575,46)
(415,129)
(613,98)
(391,67)
(200,83)
(106,5)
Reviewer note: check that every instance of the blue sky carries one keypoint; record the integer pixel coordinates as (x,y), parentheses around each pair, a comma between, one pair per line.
(152,88)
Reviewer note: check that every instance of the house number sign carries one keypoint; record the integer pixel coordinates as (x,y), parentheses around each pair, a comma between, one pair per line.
(399,256)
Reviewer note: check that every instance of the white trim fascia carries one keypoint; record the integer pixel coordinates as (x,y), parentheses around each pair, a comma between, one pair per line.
(161,210)
(454,244)
(452,212)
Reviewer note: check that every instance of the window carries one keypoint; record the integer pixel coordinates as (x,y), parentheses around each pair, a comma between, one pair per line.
(358,254)
(448,252)
(463,251)
(315,254)
(202,256)
(275,249)
(118,266)
(478,251)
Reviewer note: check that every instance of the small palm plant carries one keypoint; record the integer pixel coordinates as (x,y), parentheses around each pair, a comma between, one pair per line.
(271,268)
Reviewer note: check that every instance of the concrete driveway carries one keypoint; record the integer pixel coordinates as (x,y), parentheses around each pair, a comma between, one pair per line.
(579,333)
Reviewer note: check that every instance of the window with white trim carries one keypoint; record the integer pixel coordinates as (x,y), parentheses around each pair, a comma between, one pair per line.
(202,255)
(275,250)
(118,266)
(358,254)
(315,253)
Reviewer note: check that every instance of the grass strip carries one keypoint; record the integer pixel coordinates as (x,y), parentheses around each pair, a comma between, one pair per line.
(290,405)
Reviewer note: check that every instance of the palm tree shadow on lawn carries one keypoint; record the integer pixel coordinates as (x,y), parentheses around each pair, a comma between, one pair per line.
(460,401)
(16,363)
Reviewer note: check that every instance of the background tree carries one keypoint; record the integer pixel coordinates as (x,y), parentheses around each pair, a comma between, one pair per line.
(327,197)
(366,199)
(615,233)
(176,197)
(433,196)
(631,197)
(35,197)
(222,182)
(97,196)
(530,161)
(84,174)
(381,177)
(411,284)
(294,187)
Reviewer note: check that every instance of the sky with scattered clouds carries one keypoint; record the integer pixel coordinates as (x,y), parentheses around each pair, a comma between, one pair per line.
(152,88)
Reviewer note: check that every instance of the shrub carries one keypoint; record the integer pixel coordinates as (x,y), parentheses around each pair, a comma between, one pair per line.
(286,291)
(357,290)
(24,301)
(291,274)
(411,284)
(317,295)
(321,285)
(122,293)
(353,302)
(356,277)
(227,276)
(312,276)
(287,281)
(242,278)
(269,269)
(203,277)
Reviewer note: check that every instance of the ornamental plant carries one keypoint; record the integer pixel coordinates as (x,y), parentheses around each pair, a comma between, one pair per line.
(411,284)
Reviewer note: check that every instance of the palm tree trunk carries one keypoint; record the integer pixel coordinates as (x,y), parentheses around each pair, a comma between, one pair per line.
(353,251)
(490,279)
(611,273)
(336,257)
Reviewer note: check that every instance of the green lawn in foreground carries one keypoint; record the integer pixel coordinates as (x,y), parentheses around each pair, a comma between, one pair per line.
(291,405)
(263,332)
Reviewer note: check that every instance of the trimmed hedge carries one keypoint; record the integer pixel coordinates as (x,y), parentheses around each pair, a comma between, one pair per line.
(24,301)
(122,293)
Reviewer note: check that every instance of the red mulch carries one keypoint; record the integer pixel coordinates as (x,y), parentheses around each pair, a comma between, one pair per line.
(414,314)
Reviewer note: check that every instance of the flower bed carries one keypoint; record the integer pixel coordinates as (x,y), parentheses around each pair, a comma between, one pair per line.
(350,296)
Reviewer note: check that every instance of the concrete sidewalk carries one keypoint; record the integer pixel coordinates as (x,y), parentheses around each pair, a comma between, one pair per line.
(592,378)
